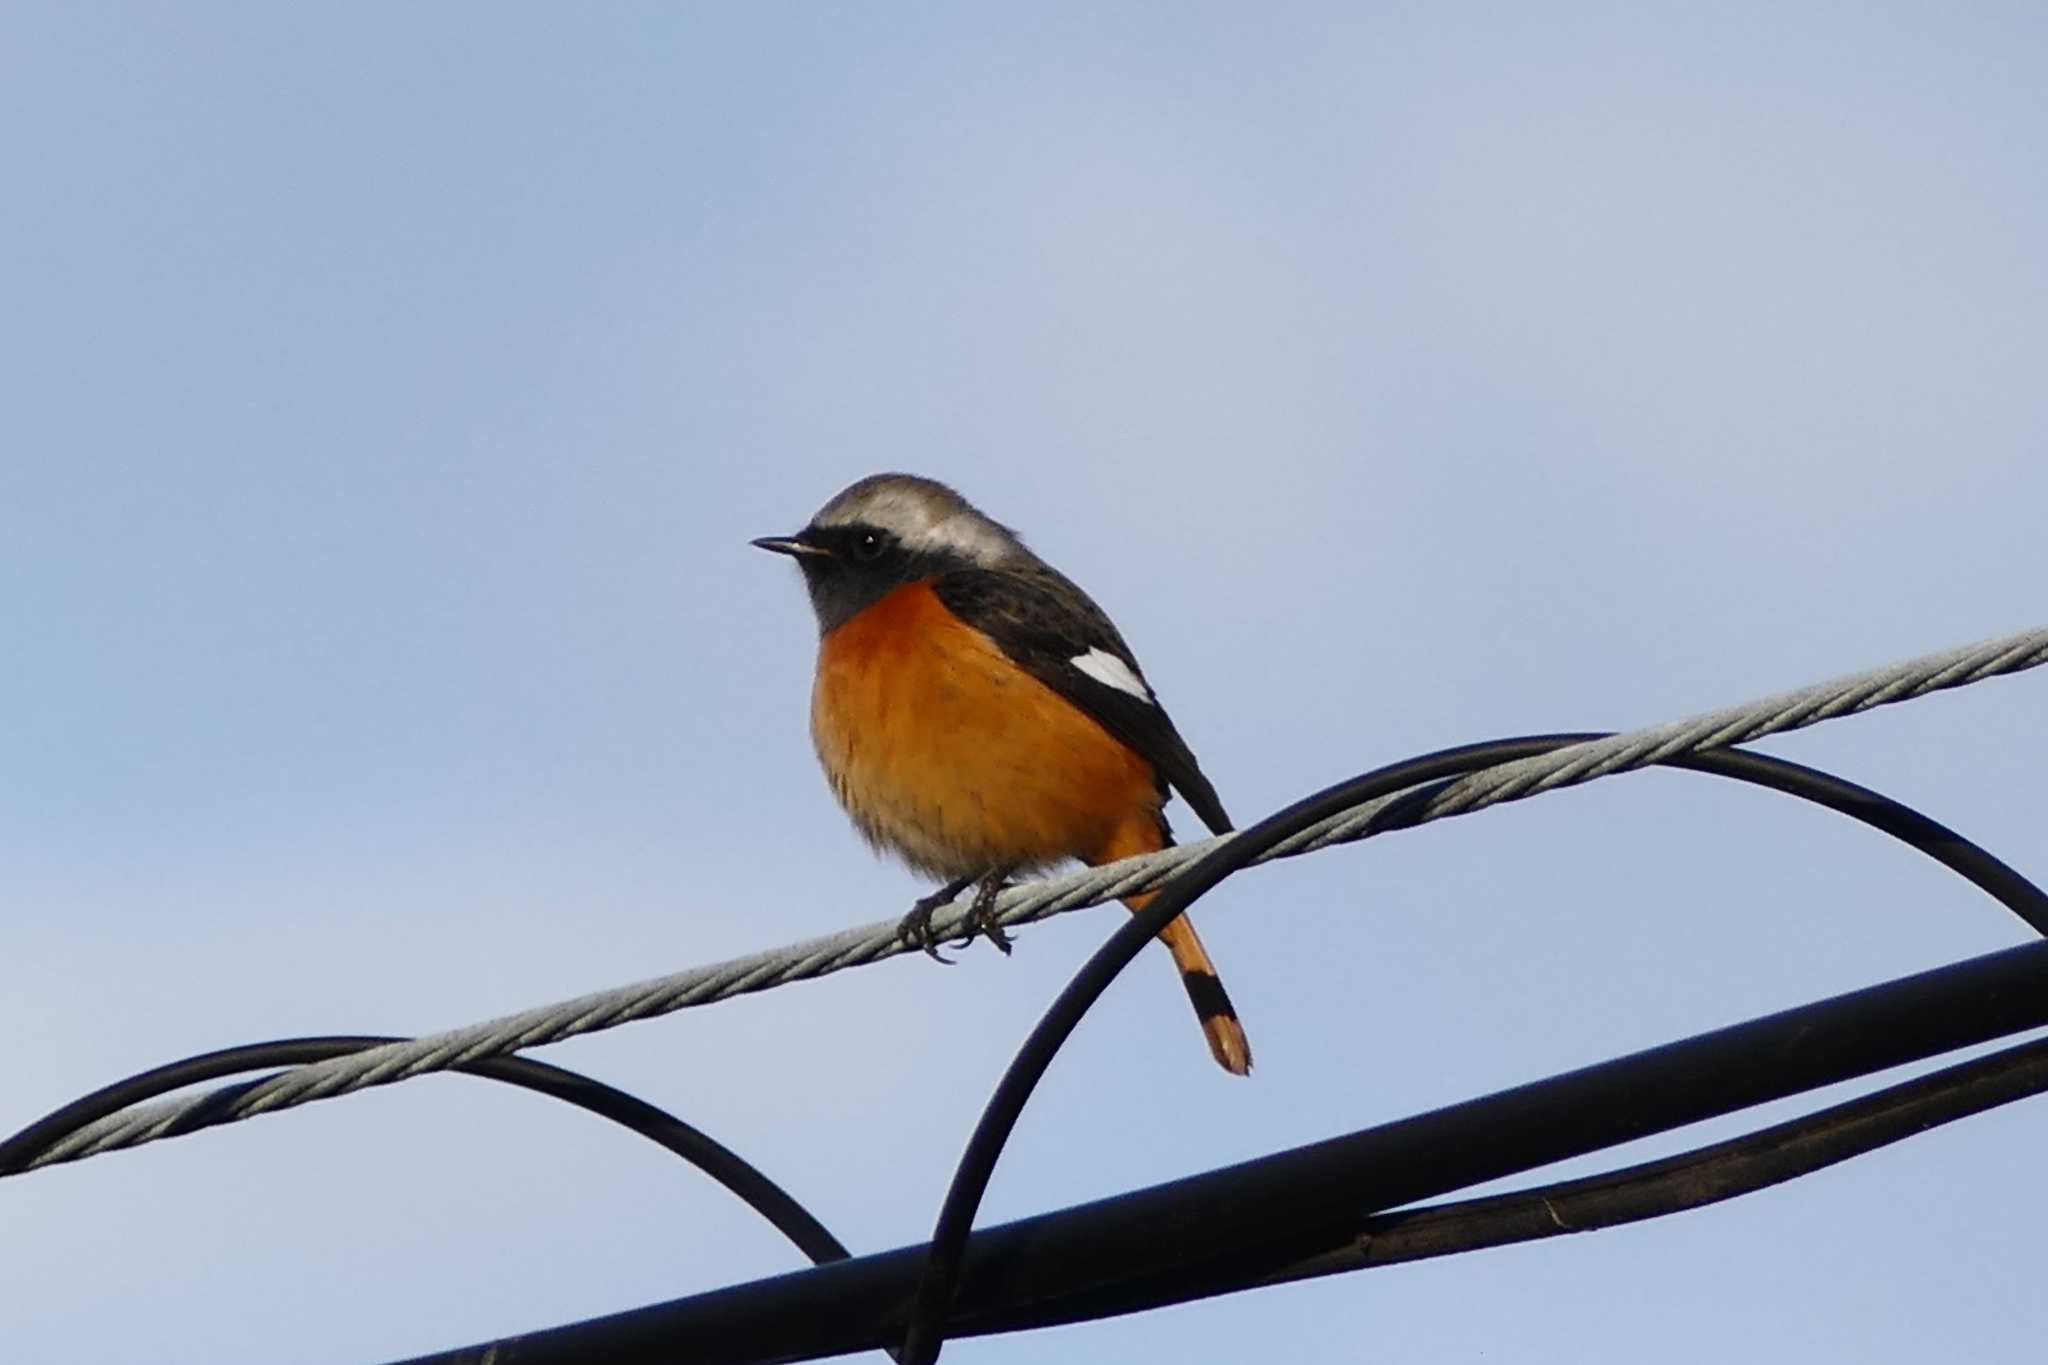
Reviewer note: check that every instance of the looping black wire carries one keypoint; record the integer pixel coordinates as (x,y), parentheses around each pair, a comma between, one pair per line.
(1421,779)
(657,1125)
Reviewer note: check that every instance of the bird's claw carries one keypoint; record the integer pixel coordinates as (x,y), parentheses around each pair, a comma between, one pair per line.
(916,928)
(917,931)
(981,916)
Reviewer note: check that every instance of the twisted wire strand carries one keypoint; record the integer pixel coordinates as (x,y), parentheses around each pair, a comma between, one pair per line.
(1034,901)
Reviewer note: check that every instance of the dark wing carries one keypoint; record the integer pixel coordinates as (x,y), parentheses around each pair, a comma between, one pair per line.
(1044,623)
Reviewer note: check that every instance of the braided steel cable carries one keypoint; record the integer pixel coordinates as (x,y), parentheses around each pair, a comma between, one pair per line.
(591,1013)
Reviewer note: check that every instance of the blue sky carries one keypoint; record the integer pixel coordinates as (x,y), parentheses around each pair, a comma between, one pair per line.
(387,395)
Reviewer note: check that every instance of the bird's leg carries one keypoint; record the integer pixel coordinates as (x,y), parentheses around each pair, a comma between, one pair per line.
(916,928)
(981,916)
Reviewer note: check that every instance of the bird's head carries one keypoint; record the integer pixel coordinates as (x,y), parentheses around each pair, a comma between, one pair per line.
(885,531)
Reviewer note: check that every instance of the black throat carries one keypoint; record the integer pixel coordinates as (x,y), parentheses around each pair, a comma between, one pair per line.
(862,565)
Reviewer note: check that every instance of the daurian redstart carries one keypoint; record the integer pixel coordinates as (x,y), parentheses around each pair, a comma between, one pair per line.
(977,714)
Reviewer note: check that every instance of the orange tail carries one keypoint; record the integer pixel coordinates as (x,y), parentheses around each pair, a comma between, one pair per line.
(1227,1043)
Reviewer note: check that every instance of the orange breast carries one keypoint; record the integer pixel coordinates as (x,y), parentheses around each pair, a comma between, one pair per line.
(944,750)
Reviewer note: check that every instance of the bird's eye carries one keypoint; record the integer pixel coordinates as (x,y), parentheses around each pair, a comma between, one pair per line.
(869,545)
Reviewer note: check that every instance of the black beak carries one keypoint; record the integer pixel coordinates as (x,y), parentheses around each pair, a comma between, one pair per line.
(790,545)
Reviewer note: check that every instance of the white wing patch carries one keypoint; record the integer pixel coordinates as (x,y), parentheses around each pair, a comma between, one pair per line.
(1111,671)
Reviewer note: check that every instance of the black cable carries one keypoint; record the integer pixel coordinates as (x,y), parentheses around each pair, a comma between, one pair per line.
(1674,1184)
(708,1155)
(1421,779)
(1694,1179)
(1257,1218)
(1923,833)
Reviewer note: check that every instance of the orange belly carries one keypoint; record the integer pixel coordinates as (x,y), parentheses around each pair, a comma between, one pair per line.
(945,751)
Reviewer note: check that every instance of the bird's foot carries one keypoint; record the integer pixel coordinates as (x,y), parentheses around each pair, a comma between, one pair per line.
(916,928)
(981,916)
(980,921)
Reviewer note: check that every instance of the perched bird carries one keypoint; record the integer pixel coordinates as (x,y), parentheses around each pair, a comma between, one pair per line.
(978,715)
